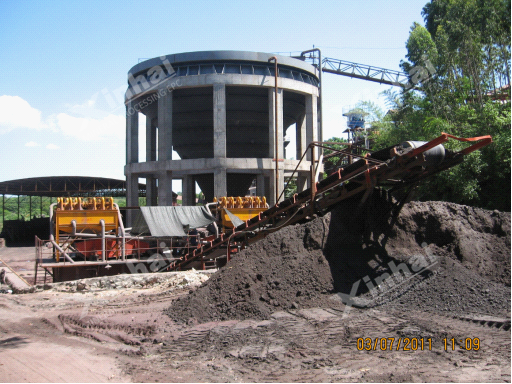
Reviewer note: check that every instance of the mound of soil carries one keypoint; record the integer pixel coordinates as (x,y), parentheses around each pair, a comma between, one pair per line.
(285,270)
(451,289)
(478,238)
(442,257)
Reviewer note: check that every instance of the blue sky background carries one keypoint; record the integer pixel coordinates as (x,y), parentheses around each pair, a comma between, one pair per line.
(63,63)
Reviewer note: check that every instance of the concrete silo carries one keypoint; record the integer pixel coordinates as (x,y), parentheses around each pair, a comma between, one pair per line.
(216,110)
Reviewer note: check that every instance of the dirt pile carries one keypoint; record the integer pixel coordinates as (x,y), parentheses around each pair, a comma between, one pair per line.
(469,249)
(285,270)
(477,238)
(433,256)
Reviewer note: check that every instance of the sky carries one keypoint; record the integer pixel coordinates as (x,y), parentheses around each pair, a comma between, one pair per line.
(64,64)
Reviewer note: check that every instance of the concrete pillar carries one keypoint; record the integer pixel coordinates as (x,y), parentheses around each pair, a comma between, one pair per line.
(150,138)
(268,189)
(132,134)
(188,190)
(271,183)
(165,126)
(151,192)
(311,123)
(271,110)
(151,188)
(220,182)
(260,185)
(312,128)
(219,138)
(300,137)
(219,120)
(132,197)
(302,182)
(165,188)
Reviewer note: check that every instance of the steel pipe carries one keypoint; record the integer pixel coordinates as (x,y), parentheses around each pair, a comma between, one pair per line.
(274,58)
(122,230)
(320,138)
(102,223)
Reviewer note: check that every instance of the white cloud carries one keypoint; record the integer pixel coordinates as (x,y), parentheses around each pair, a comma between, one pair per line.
(52,146)
(89,129)
(32,144)
(17,113)
(94,125)
(87,109)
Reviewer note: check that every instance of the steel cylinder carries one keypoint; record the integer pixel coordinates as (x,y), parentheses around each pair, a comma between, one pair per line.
(433,156)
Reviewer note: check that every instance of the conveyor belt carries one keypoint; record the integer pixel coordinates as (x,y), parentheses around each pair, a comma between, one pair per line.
(392,168)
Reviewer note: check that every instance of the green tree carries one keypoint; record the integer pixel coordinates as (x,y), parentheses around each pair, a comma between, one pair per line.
(459,64)
(333,161)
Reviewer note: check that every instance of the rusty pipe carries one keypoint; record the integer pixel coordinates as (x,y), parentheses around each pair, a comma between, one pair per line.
(320,136)
(123,232)
(275,128)
(102,223)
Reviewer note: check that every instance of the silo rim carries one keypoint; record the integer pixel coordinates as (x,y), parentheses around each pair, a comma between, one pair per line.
(219,56)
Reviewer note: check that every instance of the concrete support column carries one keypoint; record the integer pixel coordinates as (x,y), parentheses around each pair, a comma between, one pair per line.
(280,137)
(220,184)
(260,185)
(271,183)
(165,127)
(219,120)
(150,138)
(132,197)
(188,190)
(302,182)
(165,188)
(311,123)
(132,134)
(151,192)
(300,137)
(311,126)
(268,189)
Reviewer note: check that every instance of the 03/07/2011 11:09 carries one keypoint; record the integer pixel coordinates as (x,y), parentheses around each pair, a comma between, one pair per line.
(416,344)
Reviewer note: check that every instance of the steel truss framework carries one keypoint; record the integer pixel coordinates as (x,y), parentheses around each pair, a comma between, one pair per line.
(394,169)
(391,169)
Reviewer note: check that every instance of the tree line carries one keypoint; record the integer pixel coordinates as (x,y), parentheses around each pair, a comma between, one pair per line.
(460,65)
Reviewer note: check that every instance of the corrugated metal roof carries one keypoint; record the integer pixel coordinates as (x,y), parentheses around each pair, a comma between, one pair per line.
(65,186)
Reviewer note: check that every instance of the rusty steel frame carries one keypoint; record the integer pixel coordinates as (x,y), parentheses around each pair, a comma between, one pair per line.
(396,172)
(388,169)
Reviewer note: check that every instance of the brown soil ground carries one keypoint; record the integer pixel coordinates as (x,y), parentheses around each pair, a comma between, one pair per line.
(440,271)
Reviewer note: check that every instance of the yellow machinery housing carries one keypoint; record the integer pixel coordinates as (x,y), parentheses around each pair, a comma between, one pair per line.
(244,208)
(77,215)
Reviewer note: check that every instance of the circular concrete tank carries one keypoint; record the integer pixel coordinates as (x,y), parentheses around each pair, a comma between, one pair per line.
(216,110)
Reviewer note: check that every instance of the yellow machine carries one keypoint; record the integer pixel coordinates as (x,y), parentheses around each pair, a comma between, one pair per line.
(91,215)
(244,208)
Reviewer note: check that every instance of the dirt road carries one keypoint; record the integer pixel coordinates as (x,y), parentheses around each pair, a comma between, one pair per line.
(122,335)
